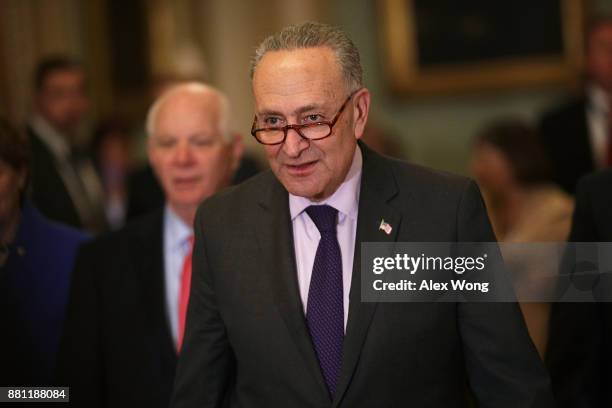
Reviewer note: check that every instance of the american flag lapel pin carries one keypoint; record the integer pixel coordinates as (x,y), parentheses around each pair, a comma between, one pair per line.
(384,226)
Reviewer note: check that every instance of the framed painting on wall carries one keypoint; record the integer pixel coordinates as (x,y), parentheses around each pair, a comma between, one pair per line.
(445,46)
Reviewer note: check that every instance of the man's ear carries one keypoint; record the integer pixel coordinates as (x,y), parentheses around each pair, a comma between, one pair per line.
(152,156)
(361,110)
(149,148)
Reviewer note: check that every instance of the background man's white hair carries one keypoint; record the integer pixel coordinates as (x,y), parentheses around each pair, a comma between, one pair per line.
(194,88)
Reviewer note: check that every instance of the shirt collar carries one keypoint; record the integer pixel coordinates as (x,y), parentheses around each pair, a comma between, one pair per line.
(56,142)
(345,199)
(177,232)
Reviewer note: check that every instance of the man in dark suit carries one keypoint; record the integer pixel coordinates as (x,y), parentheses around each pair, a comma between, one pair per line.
(64,183)
(577,135)
(578,356)
(275,316)
(129,294)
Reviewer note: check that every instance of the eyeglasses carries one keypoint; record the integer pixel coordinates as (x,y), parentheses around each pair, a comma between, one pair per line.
(308,131)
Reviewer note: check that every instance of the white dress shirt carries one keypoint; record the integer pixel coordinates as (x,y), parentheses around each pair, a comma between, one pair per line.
(306,236)
(176,247)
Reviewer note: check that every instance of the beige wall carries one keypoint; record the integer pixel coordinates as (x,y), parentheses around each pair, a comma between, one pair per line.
(30,29)
(434,131)
(225,33)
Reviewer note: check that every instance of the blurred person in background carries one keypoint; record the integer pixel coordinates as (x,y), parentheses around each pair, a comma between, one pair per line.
(111,147)
(64,183)
(129,295)
(512,170)
(144,191)
(579,356)
(36,260)
(577,135)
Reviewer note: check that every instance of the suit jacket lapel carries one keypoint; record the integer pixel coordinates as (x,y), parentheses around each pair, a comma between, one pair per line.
(149,261)
(275,239)
(378,187)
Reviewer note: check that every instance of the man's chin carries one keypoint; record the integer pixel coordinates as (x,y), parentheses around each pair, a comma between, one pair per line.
(309,192)
(188,200)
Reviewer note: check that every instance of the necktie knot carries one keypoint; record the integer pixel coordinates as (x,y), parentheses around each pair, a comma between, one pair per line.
(324,217)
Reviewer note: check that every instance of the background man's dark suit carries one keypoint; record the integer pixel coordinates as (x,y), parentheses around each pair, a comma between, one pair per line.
(565,136)
(246,337)
(49,193)
(578,356)
(117,350)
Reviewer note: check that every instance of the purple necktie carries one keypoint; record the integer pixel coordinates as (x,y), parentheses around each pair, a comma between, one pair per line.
(325,310)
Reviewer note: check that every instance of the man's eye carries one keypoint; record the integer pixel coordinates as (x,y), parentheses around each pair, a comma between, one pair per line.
(165,143)
(272,122)
(202,142)
(315,117)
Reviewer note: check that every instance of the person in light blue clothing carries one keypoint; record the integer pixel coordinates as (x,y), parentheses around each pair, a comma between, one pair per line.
(36,261)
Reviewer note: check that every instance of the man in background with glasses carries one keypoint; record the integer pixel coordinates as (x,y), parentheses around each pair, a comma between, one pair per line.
(275,316)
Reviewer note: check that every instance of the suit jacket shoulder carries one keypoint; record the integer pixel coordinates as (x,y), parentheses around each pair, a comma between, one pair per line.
(48,191)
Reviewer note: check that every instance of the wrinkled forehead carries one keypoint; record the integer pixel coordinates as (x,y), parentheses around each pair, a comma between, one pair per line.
(311,74)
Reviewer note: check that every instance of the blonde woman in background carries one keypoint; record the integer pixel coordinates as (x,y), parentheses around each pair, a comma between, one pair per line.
(513,172)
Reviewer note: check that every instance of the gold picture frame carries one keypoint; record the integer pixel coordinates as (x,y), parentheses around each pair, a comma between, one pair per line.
(407,76)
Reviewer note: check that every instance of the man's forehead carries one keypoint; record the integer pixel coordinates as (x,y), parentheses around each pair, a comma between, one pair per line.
(64,76)
(298,77)
(284,68)
(187,113)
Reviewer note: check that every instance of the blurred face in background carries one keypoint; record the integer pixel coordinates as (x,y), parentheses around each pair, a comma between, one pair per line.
(12,183)
(491,169)
(188,151)
(113,156)
(115,149)
(306,86)
(62,99)
(599,56)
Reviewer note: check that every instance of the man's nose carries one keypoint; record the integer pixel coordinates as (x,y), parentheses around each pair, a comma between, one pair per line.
(294,143)
(183,154)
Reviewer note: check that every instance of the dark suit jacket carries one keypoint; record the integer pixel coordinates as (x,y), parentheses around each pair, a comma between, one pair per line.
(565,136)
(49,194)
(117,350)
(246,338)
(578,355)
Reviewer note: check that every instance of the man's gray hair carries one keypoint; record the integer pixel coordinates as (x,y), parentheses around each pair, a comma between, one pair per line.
(196,88)
(311,35)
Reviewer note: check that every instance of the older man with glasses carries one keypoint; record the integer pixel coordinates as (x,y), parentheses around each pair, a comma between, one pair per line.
(275,316)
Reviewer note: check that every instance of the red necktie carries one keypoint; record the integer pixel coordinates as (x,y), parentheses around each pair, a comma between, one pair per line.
(184,294)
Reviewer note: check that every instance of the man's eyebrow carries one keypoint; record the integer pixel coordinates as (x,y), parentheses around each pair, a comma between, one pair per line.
(269,112)
(302,109)
(308,108)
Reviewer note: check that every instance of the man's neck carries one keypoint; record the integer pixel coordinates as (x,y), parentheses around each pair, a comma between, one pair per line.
(185,213)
